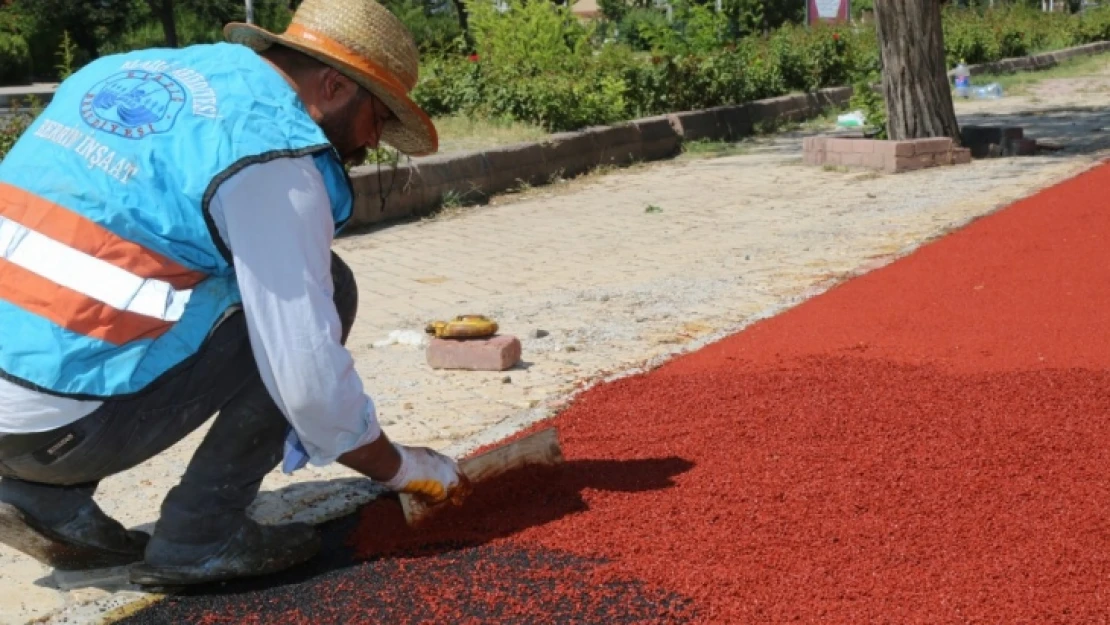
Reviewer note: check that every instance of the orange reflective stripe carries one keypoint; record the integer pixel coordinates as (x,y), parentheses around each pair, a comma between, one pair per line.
(80,233)
(74,311)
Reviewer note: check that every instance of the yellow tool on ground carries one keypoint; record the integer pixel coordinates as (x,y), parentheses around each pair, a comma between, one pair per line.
(463,327)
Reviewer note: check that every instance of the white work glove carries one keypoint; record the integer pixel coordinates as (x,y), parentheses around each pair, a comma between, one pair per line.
(428,475)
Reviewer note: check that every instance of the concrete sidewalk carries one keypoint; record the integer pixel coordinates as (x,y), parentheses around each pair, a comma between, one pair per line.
(612,284)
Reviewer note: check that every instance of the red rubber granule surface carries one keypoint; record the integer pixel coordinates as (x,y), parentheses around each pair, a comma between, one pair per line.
(925,444)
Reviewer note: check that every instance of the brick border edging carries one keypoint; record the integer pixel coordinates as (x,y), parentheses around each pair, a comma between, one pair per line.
(1044,60)
(419,187)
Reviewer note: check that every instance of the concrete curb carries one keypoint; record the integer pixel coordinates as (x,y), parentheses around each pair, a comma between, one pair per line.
(1045,60)
(417,188)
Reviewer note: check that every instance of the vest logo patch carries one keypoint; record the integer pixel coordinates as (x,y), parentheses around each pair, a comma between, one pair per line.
(134,104)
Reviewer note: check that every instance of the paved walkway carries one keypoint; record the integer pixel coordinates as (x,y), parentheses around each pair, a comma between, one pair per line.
(612,285)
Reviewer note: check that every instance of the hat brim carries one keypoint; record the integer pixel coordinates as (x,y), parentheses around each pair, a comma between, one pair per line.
(410,131)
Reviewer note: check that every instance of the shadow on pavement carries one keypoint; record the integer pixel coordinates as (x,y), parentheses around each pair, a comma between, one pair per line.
(1076,130)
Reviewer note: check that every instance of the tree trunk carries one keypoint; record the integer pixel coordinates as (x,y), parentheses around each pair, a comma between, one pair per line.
(915,82)
(164,10)
(464,22)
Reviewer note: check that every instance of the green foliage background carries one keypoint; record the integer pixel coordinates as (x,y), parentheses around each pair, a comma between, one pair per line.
(534,61)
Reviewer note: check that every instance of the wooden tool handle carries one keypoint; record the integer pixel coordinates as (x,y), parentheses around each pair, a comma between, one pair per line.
(539,448)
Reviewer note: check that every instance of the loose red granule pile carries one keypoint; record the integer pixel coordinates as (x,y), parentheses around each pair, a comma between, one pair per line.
(928,443)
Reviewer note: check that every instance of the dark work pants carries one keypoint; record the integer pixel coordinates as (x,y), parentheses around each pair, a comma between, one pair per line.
(244,443)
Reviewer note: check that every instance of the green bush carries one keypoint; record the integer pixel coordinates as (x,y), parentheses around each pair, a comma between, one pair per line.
(15,59)
(560,101)
(733,75)
(1094,24)
(967,38)
(538,64)
(13,126)
(694,30)
(449,85)
(1016,30)
(434,33)
(528,38)
(613,10)
(634,27)
(534,61)
(813,57)
(191,29)
(15,53)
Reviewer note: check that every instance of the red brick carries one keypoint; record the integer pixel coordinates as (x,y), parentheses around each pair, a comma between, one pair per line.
(894,148)
(932,146)
(874,160)
(890,163)
(1025,147)
(852,159)
(863,146)
(961,156)
(495,353)
(885,147)
(905,148)
(839,145)
(913,163)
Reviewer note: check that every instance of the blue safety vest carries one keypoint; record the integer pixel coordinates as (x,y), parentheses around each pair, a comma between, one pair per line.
(111,271)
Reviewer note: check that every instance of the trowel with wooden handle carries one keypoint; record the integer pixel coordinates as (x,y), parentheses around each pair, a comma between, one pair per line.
(541,448)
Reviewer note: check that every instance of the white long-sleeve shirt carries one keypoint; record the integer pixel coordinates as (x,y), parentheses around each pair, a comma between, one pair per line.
(275,218)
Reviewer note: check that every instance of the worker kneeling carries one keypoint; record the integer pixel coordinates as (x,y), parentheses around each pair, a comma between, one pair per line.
(165,234)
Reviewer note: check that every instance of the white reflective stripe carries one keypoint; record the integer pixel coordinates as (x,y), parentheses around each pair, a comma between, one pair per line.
(88,275)
(158,299)
(10,235)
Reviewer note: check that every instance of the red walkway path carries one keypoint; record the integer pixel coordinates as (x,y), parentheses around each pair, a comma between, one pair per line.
(927,443)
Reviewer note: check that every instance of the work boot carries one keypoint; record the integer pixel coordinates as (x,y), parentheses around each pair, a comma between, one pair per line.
(253,550)
(204,533)
(64,528)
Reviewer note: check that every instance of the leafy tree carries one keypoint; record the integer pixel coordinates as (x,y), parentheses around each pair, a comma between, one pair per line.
(211,11)
(89,22)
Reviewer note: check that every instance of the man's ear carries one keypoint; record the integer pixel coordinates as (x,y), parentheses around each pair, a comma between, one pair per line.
(337,86)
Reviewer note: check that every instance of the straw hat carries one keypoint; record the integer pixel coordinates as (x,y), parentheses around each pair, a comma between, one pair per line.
(366,42)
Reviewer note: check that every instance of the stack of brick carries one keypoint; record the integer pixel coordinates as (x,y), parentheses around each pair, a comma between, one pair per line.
(889,156)
(997,141)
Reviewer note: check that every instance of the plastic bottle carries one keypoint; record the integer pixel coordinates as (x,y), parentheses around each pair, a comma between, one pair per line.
(992,91)
(963,80)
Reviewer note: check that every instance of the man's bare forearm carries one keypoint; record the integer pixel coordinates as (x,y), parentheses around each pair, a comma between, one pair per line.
(377,460)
